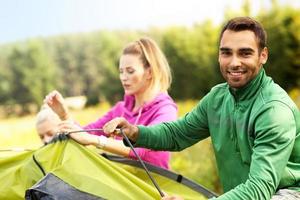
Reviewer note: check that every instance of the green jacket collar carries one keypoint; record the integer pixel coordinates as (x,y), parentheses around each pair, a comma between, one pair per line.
(251,88)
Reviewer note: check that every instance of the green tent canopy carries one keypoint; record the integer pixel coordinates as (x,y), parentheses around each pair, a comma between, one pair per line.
(67,170)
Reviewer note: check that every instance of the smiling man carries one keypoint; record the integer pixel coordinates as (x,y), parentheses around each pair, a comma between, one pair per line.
(241,57)
(253,124)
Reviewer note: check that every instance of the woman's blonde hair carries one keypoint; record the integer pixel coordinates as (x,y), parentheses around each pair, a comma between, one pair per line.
(46,113)
(151,56)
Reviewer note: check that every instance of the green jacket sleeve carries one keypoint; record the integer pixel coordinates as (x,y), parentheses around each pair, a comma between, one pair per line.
(275,130)
(176,135)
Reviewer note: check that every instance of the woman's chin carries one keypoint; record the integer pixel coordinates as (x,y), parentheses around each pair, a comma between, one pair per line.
(128,92)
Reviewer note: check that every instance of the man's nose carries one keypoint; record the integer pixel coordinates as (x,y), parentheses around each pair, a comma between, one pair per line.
(235,61)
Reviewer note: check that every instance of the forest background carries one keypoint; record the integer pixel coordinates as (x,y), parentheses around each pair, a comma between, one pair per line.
(87,64)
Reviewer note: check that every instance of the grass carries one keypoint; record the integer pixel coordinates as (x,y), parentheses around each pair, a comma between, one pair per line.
(20,132)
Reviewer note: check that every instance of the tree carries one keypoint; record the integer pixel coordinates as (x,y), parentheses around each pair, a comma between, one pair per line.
(33,74)
(5,75)
(283,28)
(106,84)
(192,54)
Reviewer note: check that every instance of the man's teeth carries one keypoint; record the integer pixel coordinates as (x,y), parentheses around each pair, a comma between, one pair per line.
(236,73)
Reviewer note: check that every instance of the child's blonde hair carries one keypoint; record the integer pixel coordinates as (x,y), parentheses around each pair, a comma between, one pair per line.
(44,114)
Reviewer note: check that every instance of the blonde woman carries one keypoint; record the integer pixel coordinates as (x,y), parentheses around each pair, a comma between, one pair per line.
(145,76)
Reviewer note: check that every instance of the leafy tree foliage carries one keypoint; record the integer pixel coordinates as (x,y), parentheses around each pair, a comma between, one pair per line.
(87,64)
(5,86)
(192,54)
(283,28)
(32,75)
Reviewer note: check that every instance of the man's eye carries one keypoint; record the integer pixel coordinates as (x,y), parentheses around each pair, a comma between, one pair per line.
(225,53)
(245,54)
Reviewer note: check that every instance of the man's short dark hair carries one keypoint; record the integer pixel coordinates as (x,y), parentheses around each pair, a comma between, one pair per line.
(247,23)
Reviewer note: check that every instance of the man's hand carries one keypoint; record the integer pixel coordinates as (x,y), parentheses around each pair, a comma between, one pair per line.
(129,130)
(57,103)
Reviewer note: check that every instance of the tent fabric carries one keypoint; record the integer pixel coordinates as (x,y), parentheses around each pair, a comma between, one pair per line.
(83,170)
(167,179)
(53,188)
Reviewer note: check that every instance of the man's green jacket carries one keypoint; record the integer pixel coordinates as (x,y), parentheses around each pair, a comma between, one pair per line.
(254,132)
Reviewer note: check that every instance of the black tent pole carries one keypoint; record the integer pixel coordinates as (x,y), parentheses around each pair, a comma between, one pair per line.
(142,163)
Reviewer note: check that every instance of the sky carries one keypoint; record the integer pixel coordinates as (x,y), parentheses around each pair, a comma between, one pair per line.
(23,19)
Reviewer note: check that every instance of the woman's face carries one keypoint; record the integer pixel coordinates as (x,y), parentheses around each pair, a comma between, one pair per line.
(133,75)
(47,129)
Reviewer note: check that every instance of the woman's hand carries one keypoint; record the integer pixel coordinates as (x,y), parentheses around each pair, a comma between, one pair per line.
(57,103)
(83,138)
(129,130)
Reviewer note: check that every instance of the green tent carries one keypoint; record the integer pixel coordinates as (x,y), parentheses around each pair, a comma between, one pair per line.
(67,170)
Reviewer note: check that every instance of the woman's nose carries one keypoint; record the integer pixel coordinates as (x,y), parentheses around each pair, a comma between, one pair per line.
(123,77)
(47,138)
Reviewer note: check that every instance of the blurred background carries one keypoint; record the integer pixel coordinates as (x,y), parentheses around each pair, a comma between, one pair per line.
(74,46)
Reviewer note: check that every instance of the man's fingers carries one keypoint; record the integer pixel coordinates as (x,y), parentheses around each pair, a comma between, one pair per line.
(111,126)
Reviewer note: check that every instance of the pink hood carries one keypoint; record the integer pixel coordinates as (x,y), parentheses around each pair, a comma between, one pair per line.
(161,109)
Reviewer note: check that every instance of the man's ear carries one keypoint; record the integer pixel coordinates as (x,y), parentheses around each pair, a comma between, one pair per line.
(264,55)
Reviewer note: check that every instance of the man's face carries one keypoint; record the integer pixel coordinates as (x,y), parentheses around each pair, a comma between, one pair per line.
(239,57)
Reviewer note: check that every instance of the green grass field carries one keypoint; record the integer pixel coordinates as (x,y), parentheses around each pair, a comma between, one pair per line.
(20,132)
